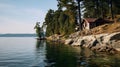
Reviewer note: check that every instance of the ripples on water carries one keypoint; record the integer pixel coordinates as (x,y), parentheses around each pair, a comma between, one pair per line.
(28,52)
(21,52)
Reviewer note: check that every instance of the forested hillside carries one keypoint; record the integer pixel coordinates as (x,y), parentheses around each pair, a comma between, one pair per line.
(61,21)
(64,20)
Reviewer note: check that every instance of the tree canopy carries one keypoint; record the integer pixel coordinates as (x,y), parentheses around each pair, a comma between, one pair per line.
(101,8)
(63,20)
(39,30)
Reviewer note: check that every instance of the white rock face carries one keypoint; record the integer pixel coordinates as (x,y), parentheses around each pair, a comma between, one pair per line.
(96,41)
(68,41)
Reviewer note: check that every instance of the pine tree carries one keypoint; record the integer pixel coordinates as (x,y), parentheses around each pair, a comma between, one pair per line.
(61,21)
(39,30)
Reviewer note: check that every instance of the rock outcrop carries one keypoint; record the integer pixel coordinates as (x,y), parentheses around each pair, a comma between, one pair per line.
(101,42)
(56,38)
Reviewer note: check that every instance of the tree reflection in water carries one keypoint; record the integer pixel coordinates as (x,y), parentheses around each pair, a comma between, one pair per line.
(40,53)
(60,55)
(39,43)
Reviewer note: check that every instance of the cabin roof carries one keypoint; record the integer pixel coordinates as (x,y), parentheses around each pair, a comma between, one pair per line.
(90,20)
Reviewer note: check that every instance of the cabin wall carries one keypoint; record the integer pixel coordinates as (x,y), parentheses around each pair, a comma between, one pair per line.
(85,26)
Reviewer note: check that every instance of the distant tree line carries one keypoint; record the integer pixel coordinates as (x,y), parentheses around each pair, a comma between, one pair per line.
(64,20)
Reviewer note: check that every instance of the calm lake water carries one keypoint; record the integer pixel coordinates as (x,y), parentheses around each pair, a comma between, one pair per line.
(28,52)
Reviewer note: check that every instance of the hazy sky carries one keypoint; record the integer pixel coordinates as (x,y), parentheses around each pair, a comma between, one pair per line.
(20,16)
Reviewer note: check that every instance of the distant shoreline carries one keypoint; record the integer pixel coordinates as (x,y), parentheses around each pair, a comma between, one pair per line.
(18,35)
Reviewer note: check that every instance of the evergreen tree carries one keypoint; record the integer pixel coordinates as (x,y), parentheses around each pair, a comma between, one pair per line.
(100,8)
(39,30)
(61,21)
(49,22)
(93,7)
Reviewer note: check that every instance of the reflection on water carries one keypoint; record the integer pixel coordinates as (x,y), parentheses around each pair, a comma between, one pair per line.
(28,52)
(40,53)
(59,55)
(40,44)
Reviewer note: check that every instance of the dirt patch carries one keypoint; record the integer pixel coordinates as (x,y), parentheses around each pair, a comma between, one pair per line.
(106,28)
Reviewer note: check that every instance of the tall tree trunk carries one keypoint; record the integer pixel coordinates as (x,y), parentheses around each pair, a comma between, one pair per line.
(79,12)
(97,5)
(102,14)
(111,6)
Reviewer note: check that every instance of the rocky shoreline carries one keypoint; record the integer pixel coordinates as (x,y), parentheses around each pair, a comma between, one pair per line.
(101,42)
(108,42)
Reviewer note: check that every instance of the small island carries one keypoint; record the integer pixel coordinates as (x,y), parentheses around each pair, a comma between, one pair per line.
(39,31)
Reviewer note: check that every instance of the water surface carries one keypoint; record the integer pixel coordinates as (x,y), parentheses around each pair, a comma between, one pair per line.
(28,52)
(21,52)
